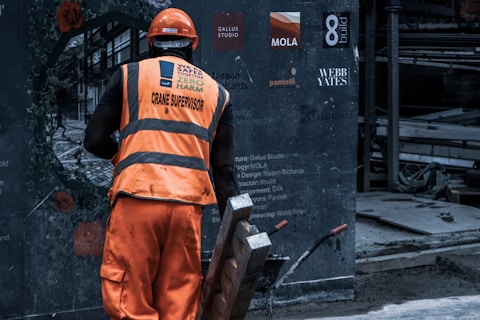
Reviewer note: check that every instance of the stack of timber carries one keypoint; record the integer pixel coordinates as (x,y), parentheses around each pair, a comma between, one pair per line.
(458,192)
(450,138)
(237,263)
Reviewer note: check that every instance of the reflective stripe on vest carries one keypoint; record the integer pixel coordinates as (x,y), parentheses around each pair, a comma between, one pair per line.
(162,139)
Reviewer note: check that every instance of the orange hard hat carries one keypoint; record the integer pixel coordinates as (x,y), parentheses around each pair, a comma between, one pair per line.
(173,22)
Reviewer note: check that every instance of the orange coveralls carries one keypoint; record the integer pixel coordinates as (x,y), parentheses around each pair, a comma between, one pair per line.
(152,242)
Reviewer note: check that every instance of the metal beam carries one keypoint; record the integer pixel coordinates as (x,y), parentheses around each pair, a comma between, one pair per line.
(370,22)
(393,8)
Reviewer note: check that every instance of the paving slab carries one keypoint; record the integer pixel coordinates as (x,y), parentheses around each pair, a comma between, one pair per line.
(463,307)
(417,214)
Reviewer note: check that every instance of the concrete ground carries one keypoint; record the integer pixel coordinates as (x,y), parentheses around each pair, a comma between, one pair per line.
(464,307)
(404,275)
(449,289)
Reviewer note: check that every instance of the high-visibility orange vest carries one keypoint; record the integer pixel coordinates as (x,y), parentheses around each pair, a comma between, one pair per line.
(169,119)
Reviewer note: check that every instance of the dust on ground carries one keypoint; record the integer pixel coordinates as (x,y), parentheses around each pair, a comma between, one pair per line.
(449,276)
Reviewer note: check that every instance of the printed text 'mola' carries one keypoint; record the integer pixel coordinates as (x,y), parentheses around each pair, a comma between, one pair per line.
(284,42)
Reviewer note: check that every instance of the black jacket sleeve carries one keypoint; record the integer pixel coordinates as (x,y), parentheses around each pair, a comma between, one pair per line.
(105,121)
(223,166)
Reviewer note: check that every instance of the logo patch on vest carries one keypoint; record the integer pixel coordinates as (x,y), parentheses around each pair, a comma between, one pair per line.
(166,73)
(190,78)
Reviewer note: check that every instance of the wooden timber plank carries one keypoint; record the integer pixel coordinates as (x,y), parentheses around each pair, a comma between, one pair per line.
(411,259)
(233,290)
(237,263)
(442,116)
(250,267)
(433,149)
(229,270)
(458,192)
(218,306)
(433,130)
(418,158)
(243,229)
(234,299)
(456,115)
(238,208)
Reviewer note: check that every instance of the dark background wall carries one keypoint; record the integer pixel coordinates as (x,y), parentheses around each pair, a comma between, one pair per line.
(438,55)
(295,97)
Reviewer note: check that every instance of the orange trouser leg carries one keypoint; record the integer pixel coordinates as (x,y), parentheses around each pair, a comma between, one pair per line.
(151,265)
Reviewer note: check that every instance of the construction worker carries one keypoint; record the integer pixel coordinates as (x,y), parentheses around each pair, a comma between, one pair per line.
(175,126)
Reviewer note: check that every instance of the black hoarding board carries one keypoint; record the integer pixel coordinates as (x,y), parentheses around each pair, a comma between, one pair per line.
(14,158)
(291,69)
